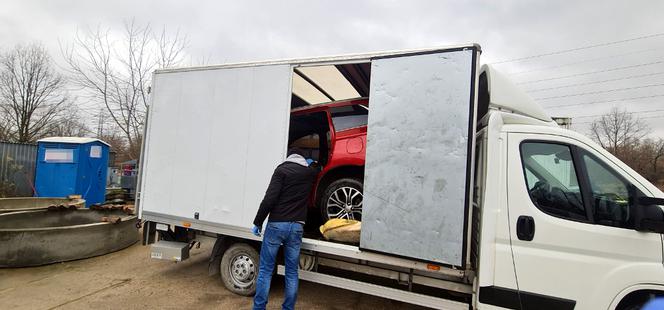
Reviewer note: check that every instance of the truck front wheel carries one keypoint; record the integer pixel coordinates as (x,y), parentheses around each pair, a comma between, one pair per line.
(239,269)
(342,199)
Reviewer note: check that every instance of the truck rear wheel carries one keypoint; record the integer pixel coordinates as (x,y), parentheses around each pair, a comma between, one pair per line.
(239,269)
(342,199)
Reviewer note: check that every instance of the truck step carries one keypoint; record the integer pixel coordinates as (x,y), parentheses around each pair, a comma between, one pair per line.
(377,290)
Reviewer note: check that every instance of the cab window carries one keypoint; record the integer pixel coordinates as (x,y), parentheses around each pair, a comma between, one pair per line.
(610,194)
(552,172)
(552,180)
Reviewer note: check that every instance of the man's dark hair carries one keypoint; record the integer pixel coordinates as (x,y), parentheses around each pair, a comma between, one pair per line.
(295,150)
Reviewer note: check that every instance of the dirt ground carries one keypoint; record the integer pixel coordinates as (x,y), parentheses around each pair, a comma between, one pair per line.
(129,279)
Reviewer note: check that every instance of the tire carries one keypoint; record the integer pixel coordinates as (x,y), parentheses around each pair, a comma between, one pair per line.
(634,307)
(636,301)
(334,202)
(239,269)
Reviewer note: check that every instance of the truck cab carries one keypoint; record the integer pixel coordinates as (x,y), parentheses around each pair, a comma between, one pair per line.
(562,218)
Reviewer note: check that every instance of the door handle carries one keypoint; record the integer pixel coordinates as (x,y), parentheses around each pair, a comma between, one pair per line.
(525,228)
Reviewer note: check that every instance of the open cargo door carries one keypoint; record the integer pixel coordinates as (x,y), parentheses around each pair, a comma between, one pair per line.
(418,160)
(214,138)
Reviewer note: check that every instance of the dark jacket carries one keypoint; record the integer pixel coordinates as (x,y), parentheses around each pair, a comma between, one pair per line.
(286,197)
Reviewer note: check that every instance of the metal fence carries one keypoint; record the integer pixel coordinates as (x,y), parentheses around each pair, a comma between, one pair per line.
(17,169)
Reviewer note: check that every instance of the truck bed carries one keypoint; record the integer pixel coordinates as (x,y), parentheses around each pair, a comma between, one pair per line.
(327,259)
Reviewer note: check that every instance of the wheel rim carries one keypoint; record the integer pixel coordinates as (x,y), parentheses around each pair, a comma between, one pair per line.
(345,203)
(242,270)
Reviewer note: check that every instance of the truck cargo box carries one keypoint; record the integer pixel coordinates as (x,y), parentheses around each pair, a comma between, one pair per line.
(215,134)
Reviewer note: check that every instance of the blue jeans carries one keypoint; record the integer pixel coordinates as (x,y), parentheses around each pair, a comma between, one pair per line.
(277,233)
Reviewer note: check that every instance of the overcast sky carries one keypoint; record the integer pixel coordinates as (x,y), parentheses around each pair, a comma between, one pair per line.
(232,31)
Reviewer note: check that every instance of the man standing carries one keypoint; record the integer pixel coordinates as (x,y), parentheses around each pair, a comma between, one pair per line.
(286,203)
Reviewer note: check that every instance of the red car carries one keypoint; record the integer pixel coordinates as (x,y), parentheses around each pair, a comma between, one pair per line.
(335,135)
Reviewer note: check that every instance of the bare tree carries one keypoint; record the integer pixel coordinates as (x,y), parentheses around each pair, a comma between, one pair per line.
(658,154)
(624,135)
(618,130)
(5,126)
(118,145)
(32,93)
(69,124)
(116,74)
(647,159)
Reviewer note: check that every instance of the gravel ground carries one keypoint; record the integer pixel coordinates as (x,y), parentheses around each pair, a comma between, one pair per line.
(129,279)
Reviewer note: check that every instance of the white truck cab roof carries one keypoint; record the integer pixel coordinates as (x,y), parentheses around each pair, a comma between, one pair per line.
(504,95)
(518,112)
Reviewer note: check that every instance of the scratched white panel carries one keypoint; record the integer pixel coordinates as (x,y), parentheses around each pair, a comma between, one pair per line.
(415,174)
(215,137)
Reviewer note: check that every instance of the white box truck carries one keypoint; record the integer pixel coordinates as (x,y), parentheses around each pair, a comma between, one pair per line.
(473,196)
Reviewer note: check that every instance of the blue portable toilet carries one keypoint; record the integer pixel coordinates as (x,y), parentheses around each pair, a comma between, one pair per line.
(72,166)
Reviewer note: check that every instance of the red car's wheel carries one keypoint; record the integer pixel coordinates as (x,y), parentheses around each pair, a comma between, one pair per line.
(342,199)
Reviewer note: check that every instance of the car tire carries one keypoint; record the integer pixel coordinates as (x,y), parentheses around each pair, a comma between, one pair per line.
(239,269)
(342,199)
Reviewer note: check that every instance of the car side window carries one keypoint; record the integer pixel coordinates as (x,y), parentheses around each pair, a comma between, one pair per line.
(348,117)
(551,178)
(610,194)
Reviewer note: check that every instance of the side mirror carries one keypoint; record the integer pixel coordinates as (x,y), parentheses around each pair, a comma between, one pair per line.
(649,201)
(649,215)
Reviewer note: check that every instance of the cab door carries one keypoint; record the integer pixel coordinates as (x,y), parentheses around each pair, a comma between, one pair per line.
(571,225)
